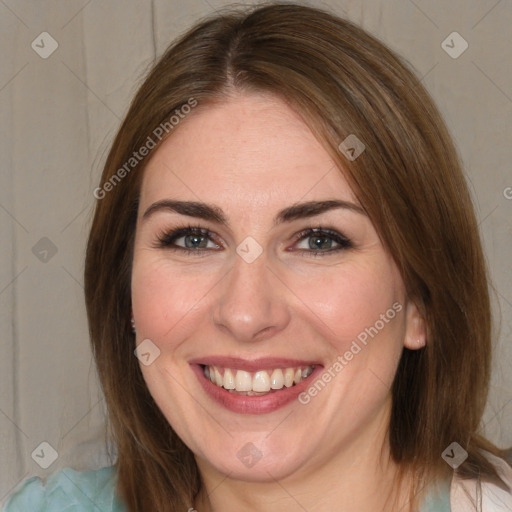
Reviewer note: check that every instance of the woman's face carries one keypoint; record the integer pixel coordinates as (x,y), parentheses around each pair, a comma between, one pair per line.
(261,303)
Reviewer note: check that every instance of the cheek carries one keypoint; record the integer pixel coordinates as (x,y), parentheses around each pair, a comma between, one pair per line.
(158,300)
(348,300)
(163,296)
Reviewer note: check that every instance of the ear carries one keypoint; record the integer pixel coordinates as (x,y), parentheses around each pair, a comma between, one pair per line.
(415,328)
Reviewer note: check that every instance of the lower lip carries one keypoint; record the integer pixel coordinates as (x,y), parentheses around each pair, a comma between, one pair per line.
(253,404)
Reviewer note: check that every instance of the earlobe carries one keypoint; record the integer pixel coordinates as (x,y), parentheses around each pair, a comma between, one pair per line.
(415,328)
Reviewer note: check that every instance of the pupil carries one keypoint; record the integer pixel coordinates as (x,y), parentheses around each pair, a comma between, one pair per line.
(191,241)
(321,245)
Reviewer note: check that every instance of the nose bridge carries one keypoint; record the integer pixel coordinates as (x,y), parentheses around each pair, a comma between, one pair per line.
(249,302)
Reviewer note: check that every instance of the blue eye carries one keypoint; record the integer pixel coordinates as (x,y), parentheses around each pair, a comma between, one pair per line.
(195,240)
(320,241)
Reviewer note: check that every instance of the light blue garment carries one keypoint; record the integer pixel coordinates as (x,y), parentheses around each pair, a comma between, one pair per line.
(438,498)
(94,491)
(68,490)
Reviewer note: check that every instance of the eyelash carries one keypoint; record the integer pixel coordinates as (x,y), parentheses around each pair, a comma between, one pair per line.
(165,240)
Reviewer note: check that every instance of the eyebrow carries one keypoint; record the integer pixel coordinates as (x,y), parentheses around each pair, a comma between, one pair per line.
(215,214)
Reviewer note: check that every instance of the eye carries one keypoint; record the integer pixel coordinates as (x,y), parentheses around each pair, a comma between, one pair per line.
(190,239)
(320,241)
(195,240)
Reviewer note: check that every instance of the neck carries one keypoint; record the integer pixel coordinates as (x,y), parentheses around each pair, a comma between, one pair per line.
(357,477)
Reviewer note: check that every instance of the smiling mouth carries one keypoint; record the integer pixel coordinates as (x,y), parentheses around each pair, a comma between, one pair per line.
(259,383)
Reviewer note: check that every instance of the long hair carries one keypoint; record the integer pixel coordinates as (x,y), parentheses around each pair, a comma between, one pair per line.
(343,82)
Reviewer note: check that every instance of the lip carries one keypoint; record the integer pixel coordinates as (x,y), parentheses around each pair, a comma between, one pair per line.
(252,404)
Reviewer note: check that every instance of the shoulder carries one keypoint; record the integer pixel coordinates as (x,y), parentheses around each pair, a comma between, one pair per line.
(67,490)
(494,499)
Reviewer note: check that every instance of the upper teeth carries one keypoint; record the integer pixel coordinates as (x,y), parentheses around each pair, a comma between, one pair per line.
(260,381)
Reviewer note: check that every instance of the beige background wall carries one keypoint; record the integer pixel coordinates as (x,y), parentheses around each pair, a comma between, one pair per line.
(58,116)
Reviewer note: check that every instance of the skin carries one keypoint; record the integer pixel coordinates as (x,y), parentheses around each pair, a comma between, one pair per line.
(253,156)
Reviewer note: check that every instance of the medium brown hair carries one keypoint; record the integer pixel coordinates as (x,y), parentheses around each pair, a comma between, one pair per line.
(342,81)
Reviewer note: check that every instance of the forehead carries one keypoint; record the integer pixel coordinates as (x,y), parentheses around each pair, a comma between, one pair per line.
(246,149)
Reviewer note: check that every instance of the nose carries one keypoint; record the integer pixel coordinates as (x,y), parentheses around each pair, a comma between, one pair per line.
(251,305)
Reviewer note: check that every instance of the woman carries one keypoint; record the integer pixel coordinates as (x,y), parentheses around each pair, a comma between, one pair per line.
(285,285)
